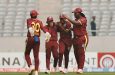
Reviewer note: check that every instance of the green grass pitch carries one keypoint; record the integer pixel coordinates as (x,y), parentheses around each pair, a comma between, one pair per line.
(70,73)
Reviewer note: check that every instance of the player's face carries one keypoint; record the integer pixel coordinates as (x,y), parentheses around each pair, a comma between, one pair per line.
(76,15)
(51,24)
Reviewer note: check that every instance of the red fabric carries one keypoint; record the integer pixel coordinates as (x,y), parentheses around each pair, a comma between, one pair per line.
(79,50)
(80,30)
(66,37)
(63,50)
(80,41)
(30,43)
(51,46)
(36,24)
(53,31)
(29,46)
(65,43)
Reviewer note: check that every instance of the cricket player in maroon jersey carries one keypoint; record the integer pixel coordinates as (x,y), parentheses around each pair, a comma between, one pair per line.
(65,42)
(51,44)
(80,39)
(33,40)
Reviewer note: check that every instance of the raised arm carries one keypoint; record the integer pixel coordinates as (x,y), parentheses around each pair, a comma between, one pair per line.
(43,28)
(74,22)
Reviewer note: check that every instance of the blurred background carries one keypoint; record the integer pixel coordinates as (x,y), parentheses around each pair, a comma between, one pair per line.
(100,52)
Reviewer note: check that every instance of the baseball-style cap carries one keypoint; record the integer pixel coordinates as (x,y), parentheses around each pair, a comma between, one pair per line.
(77,10)
(49,19)
(34,13)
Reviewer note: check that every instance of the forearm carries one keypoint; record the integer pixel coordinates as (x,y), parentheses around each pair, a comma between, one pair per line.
(44,30)
(72,21)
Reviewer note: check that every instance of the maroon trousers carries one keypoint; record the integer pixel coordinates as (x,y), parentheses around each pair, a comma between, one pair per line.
(79,45)
(51,46)
(64,49)
(29,46)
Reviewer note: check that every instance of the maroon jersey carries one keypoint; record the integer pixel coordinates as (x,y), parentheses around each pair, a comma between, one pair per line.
(63,33)
(36,24)
(65,36)
(80,30)
(53,31)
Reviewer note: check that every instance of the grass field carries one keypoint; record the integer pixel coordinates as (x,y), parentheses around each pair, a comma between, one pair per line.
(71,73)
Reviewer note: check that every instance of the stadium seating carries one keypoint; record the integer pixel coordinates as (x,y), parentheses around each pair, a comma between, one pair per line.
(13,14)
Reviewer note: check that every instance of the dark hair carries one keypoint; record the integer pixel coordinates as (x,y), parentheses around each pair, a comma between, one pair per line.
(83,15)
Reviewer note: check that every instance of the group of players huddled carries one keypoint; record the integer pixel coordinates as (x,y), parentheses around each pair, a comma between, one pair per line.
(65,27)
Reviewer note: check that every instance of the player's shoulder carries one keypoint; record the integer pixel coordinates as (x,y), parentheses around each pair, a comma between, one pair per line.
(28,19)
(38,19)
(83,19)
